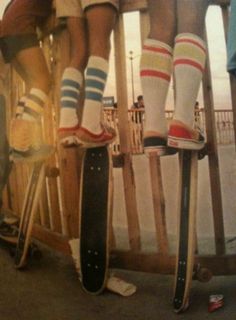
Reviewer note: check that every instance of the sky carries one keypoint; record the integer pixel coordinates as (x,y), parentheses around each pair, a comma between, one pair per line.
(217,51)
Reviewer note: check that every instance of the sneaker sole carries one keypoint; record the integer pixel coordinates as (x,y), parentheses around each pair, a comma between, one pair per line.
(184,144)
(89,145)
(71,141)
(159,151)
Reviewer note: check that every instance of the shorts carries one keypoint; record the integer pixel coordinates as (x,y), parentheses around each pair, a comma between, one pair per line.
(75,8)
(11,45)
(19,23)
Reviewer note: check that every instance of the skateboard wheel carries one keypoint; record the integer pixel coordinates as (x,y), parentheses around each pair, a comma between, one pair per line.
(203,275)
(202,153)
(34,252)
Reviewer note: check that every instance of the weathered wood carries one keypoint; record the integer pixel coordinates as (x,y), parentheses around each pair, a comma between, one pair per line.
(158,202)
(213,158)
(54,240)
(128,175)
(225,16)
(165,264)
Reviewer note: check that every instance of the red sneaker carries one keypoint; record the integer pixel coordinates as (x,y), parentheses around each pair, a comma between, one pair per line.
(182,136)
(91,140)
(68,137)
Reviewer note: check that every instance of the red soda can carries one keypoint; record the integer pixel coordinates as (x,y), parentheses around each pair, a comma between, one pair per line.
(216,301)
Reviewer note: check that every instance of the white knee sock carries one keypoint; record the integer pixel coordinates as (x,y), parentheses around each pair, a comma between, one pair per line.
(155,72)
(95,81)
(34,104)
(70,90)
(189,63)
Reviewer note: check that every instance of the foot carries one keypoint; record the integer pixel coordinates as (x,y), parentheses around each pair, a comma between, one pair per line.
(25,137)
(181,136)
(68,136)
(156,143)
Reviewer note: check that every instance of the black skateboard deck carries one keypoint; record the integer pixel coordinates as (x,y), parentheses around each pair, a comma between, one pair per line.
(31,201)
(188,165)
(95,213)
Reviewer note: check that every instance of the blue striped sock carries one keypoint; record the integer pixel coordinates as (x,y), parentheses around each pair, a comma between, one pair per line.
(70,92)
(95,82)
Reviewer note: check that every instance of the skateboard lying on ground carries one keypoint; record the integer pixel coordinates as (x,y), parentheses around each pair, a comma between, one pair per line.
(188,175)
(31,200)
(9,229)
(95,213)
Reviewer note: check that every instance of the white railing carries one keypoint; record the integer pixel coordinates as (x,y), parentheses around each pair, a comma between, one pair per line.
(136,118)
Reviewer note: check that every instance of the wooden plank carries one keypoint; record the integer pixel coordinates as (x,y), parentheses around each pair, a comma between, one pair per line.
(158,263)
(158,202)
(225,16)
(213,158)
(128,174)
(54,240)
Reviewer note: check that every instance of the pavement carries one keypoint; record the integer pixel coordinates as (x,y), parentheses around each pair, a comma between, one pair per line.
(49,289)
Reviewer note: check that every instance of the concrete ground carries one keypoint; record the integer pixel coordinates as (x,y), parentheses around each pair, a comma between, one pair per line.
(49,290)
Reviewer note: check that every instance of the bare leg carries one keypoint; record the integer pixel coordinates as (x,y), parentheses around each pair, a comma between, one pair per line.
(189,62)
(103,16)
(34,68)
(155,72)
(162,20)
(101,20)
(191,16)
(78,43)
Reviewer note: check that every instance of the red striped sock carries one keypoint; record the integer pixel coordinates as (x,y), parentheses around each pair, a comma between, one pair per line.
(189,62)
(155,73)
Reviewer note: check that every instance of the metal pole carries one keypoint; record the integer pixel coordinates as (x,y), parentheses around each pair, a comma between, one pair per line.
(132,74)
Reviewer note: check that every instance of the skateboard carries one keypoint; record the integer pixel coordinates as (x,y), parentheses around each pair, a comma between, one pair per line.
(31,200)
(9,227)
(95,213)
(188,164)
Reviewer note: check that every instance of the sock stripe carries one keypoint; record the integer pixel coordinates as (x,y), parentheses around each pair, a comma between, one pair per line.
(96,73)
(94,84)
(190,63)
(33,99)
(68,93)
(194,42)
(156,74)
(32,112)
(91,95)
(69,104)
(70,83)
(157,50)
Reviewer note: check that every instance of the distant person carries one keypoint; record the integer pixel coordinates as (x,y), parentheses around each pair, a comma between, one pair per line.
(139,104)
(174,45)
(20,47)
(90,24)
(231,43)
(137,116)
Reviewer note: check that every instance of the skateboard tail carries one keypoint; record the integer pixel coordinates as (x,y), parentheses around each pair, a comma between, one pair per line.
(186,229)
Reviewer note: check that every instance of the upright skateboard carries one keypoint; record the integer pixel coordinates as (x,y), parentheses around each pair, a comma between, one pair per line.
(30,203)
(95,213)
(188,165)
